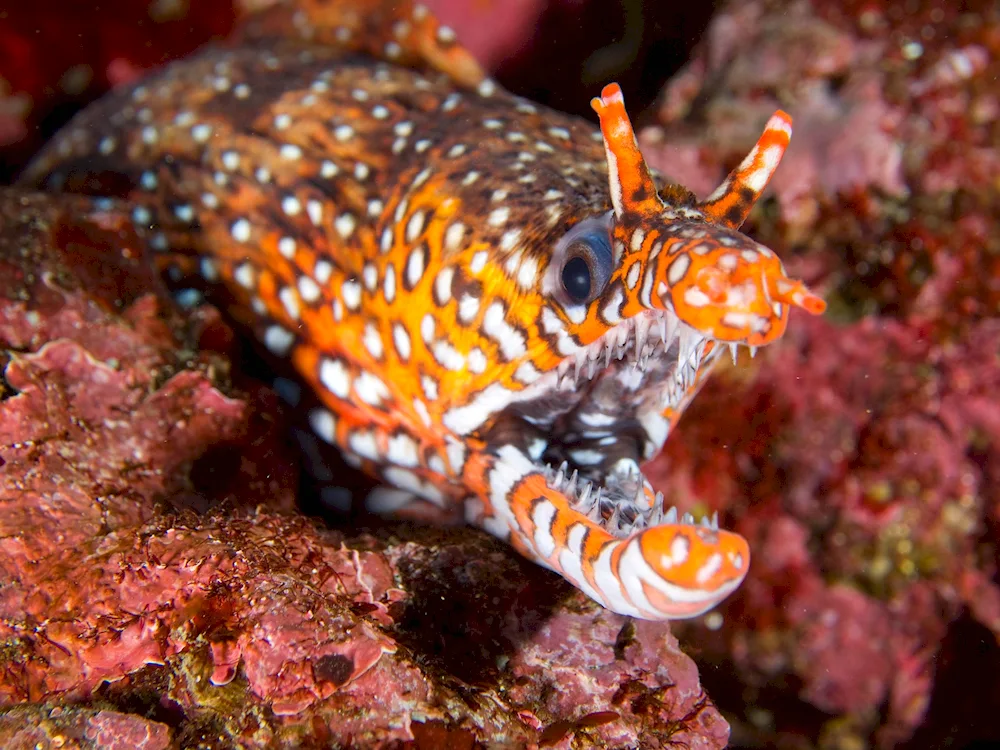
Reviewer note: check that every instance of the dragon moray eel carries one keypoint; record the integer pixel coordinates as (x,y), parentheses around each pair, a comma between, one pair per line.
(500,312)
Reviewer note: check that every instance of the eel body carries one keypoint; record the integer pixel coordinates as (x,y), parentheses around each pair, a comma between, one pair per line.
(501,311)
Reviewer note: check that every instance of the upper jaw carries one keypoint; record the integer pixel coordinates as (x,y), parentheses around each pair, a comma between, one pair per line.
(659,354)
(638,338)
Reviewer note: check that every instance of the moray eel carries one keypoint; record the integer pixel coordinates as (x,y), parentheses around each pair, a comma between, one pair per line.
(499,309)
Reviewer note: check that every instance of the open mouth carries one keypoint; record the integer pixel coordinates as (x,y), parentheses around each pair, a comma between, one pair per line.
(626,383)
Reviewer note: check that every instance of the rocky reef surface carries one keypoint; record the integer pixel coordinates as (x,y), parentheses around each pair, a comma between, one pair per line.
(161,589)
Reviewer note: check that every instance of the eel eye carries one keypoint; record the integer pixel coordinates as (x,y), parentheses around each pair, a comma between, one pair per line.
(576,279)
(587,261)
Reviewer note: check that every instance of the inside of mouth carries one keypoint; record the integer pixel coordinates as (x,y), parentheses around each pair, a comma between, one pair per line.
(601,414)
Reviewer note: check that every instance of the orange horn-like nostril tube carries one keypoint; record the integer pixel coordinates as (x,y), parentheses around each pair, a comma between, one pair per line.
(791,292)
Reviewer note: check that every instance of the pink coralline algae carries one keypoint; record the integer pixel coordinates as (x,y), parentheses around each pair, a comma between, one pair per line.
(859,457)
(33,727)
(161,590)
(894,157)
(861,467)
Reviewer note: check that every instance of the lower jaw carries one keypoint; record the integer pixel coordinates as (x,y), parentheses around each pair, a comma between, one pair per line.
(622,505)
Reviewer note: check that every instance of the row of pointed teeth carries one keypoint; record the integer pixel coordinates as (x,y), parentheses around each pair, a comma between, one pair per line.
(626,516)
(640,338)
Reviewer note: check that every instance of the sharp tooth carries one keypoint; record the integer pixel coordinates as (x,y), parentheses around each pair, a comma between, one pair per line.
(669,331)
(640,341)
(732,350)
(705,523)
(715,521)
(671,515)
(640,498)
(651,511)
(607,354)
(591,368)
(560,476)
(687,518)
(615,522)
(753,351)
(595,511)
(698,353)
(641,334)
(623,339)
(688,338)
(581,501)
(570,488)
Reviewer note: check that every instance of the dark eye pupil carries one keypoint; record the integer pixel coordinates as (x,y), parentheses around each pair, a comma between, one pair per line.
(576,279)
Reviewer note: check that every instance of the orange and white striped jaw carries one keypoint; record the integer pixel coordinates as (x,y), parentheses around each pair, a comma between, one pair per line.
(637,305)
(711,562)
(688,258)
